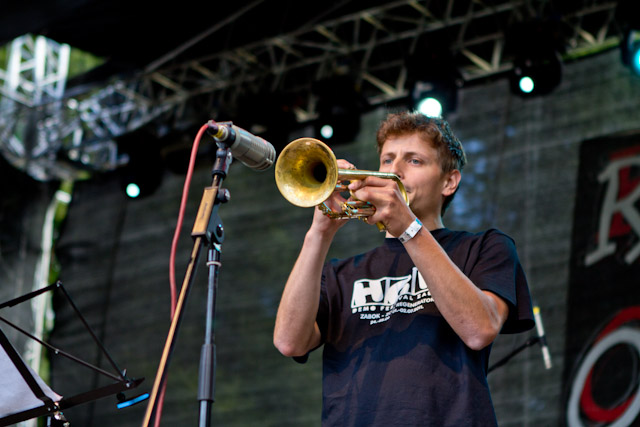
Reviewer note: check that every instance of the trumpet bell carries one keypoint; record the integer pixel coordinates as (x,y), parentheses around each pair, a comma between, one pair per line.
(306,172)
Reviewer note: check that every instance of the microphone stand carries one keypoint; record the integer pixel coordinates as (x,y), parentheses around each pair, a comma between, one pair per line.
(208,230)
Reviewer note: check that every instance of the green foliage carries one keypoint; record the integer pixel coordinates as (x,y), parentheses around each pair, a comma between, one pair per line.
(80,62)
(4,56)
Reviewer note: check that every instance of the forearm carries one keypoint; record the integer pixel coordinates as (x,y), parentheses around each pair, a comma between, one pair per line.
(476,316)
(295,330)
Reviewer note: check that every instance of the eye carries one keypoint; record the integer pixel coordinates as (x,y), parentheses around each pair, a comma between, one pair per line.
(386,161)
(415,161)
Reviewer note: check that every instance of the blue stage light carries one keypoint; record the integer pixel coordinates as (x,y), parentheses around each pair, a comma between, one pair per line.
(133,190)
(635,56)
(527,85)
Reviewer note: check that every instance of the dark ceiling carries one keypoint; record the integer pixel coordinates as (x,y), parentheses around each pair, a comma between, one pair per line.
(169,65)
(130,34)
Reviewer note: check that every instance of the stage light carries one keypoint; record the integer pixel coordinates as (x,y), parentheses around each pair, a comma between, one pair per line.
(338,127)
(536,74)
(527,85)
(433,78)
(132,190)
(141,178)
(326,131)
(627,15)
(434,99)
(430,106)
(142,175)
(339,107)
(630,50)
(537,66)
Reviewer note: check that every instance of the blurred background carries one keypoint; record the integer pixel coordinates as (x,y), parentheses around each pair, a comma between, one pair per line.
(97,96)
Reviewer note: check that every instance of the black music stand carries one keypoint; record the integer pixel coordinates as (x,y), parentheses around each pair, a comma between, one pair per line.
(29,396)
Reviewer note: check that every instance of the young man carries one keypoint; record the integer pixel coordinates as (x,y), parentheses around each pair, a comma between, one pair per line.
(406,327)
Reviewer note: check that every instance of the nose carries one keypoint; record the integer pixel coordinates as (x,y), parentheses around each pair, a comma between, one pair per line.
(396,167)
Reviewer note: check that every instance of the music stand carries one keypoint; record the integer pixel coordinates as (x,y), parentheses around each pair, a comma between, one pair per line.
(28,396)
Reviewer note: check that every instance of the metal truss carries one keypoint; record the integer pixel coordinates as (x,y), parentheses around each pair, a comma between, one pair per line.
(36,73)
(37,125)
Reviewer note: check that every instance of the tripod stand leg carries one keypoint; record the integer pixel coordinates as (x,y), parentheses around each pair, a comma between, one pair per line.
(173,331)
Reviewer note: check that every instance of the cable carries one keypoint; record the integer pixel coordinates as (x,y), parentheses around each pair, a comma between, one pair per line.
(183,205)
(174,246)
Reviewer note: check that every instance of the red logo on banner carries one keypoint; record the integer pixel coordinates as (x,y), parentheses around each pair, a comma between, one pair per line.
(618,214)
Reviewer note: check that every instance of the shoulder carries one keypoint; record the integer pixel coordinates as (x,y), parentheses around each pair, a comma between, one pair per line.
(491,239)
(491,233)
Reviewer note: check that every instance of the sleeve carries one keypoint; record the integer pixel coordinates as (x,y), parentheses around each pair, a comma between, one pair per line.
(498,270)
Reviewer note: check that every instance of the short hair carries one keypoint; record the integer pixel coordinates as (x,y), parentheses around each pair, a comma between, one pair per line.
(435,131)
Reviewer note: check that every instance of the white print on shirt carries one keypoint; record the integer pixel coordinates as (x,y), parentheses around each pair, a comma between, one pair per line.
(378,299)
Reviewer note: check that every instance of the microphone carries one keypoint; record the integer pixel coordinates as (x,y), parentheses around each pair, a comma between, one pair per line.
(251,150)
(542,338)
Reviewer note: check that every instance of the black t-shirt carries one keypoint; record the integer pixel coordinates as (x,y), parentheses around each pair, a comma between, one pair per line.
(389,357)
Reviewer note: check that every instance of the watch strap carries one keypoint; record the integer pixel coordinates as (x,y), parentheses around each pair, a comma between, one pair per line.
(411,231)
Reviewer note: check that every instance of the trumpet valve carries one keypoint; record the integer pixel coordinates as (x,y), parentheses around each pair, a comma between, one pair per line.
(358,208)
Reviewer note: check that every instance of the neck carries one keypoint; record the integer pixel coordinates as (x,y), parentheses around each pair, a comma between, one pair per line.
(433,223)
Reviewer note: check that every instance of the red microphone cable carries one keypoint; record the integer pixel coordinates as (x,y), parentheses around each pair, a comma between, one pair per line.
(174,246)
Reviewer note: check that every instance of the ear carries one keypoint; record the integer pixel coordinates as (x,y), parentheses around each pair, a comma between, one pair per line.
(451,182)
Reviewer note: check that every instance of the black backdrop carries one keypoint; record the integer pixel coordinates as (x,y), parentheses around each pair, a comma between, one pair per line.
(602,353)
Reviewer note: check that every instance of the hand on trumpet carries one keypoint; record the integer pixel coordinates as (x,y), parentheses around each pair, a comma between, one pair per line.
(323,222)
(308,174)
(391,208)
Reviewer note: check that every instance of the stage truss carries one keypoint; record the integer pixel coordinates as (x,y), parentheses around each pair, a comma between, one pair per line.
(54,132)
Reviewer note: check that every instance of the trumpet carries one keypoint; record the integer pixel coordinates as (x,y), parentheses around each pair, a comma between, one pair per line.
(307,174)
